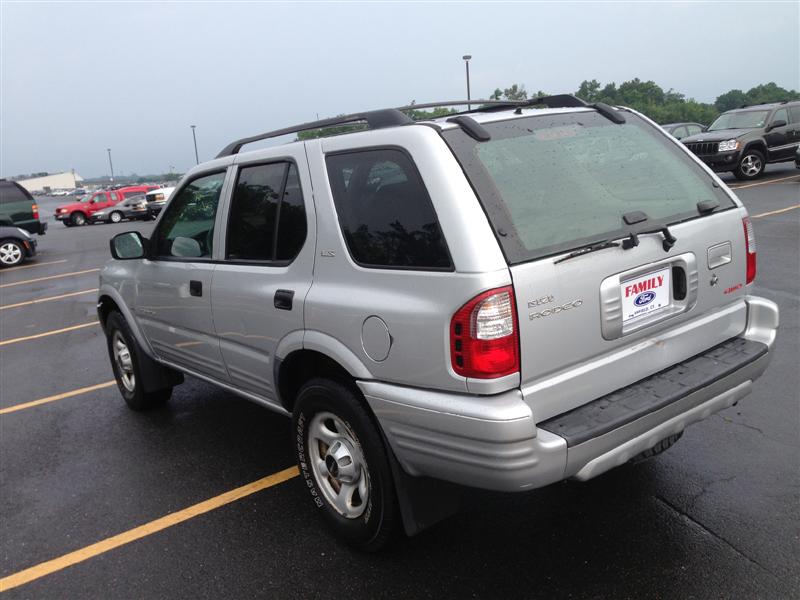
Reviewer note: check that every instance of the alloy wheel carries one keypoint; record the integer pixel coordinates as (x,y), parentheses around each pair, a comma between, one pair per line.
(10,254)
(338,464)
(122,358)
(751,165)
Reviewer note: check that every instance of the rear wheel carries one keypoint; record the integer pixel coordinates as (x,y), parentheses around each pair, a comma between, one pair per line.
(751,165)
(124,353)
(344,464)
(11,253)
(115,217)
(77,219)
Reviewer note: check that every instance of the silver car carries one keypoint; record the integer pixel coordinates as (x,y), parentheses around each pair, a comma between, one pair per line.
(501,299)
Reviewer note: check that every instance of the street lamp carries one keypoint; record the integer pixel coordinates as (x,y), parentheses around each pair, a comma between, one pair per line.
(110,164)
(194,137)
(467,58)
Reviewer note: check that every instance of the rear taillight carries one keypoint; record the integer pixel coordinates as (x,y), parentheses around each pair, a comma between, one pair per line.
(750,249)
(484,339)
(35,210)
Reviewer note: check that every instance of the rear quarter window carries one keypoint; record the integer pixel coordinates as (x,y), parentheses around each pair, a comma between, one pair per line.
(385,213)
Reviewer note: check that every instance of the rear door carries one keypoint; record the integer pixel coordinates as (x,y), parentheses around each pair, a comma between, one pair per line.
(593,321)
(259,288)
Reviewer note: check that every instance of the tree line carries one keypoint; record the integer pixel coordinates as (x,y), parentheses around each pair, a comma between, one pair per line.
(663,106)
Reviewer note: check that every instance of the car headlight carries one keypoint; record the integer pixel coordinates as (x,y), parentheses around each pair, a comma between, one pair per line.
(728,145)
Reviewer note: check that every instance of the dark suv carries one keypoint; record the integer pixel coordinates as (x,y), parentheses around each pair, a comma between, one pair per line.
(19,209)
(744,140)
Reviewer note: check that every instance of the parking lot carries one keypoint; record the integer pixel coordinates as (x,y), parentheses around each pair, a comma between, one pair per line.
(199,498)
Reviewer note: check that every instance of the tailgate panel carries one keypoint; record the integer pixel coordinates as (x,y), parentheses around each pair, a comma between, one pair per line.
(575,344)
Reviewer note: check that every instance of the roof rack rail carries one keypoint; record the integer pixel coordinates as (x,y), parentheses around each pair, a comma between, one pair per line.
(375,119)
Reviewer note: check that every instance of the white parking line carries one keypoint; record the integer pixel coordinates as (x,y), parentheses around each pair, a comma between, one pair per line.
(38,264)
(776,212)
(48,299)
(749,185)
(5,285)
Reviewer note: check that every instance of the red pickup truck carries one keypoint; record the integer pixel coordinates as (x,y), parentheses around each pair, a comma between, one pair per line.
(77,213)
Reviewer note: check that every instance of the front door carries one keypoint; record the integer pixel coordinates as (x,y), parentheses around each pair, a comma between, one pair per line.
(259,287)
(779,140)
(173,299)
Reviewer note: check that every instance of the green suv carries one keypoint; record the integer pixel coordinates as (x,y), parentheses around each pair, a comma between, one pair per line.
(19,209)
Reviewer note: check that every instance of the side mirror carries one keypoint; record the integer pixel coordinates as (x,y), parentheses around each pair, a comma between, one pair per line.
(778,123)
(128,245)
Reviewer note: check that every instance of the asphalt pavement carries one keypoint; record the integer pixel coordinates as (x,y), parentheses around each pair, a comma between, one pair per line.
(716,516)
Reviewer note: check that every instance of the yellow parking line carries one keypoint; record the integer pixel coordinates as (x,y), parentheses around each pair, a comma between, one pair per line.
(741,187)
(776,212)
(38,264)
(5,285)
(78,392)
(48,299)
(126,537)
(46,333)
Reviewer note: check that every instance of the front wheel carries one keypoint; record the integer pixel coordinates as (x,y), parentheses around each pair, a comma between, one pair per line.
(115,217)
(751,165)
(124,354)
(78,219)
(11,253)
(344,464)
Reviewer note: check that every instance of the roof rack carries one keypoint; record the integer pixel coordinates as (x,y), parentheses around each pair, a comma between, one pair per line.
(392,117)
(375,119)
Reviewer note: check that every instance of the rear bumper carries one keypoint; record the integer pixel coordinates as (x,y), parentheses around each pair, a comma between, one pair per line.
(492,442)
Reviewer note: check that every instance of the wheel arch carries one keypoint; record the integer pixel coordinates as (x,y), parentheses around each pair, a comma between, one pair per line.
(109,299)
(303,355)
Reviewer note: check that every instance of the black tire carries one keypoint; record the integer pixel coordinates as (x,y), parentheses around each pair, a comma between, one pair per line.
(11,253)
(751,165)
(658,448)
(379,519)
(135,396)
(67,223)
(77,219)
(115,215)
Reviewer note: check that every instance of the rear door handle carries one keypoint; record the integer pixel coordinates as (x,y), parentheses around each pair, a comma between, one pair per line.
(195,288)
(283,299)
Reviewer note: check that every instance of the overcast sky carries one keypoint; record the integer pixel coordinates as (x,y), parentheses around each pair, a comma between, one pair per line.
(78,78)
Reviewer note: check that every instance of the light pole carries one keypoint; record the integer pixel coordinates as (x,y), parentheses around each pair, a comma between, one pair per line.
(194,137)
(467,58)
(110,164)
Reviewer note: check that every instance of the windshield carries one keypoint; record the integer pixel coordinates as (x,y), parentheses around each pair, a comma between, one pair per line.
(748,119)
(557,182)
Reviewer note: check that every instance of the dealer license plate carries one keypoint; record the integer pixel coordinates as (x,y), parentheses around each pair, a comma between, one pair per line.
(645,295)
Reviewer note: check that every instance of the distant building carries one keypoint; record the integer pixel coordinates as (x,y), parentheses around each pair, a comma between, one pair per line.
(68,180)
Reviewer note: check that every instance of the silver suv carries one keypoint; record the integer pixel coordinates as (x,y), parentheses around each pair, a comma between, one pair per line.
(502,298)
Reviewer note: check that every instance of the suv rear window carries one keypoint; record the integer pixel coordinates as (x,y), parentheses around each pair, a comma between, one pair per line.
(556,182)
(385,213)
(13,192)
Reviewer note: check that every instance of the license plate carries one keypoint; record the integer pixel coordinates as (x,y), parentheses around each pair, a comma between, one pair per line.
(645,294)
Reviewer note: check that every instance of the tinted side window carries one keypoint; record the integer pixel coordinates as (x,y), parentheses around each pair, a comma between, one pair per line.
(187,228)
(794,113)
(693,129)
(385,212)
(679,132)
(267,220)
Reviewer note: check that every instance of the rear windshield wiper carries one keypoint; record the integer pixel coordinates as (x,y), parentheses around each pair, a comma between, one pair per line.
(587,249)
